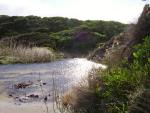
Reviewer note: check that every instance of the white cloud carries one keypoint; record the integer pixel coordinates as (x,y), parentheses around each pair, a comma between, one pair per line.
(119,10)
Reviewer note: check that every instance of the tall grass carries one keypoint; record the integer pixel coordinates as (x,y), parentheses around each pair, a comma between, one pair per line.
(115,89)
(24,54)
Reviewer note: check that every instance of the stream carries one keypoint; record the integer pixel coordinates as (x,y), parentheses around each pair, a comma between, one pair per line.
(26,85)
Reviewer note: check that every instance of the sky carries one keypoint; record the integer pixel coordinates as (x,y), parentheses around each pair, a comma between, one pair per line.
(125,11)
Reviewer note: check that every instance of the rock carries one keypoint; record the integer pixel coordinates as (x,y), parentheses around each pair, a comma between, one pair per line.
(45,99)
(44,83)
(23,85)
(33,96)
(10,95)
(20,100)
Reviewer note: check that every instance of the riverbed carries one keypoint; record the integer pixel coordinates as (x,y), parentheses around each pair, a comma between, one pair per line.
(29,88)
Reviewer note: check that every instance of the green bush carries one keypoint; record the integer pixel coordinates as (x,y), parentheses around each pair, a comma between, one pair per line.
(62,34)
(122,81)
(142,52)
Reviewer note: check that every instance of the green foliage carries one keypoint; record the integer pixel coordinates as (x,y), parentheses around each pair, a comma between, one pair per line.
(59,33)
(124,80)
(113,90)
(109,28)
(20,24)
(31,39)
(141,55)
(77,39)
(62,40)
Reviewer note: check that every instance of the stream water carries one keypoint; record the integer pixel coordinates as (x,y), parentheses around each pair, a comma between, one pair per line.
(30,83)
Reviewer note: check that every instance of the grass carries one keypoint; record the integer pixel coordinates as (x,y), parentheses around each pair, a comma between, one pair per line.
(125,80)
(21,54)
(117,89)
(121,83)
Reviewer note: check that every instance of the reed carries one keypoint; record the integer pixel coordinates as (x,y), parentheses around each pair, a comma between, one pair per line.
(24,54)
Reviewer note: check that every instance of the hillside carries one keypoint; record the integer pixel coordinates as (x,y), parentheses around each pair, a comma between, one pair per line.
(59,33)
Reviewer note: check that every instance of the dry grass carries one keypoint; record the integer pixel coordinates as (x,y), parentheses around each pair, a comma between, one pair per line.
(67,99)
(30,55)
(21,54)
(83,98)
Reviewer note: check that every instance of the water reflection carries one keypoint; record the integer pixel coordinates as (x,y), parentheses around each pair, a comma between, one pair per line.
(61,74)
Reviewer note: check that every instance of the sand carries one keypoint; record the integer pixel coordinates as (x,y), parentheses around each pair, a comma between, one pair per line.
(8,105)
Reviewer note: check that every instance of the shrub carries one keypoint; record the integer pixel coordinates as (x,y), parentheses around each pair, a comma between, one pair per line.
(124,80)
(142,52)
(113,90)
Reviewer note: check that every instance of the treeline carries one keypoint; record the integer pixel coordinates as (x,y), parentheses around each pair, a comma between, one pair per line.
(18,24)
(57,32)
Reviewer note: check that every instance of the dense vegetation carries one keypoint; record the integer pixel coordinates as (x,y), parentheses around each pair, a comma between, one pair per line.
(124,87)
(19,24)
(124,82)
(59,33)
(120,88)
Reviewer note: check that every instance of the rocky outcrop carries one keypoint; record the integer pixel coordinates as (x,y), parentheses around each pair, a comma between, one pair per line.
(120,46)
(116,48)
(143,26)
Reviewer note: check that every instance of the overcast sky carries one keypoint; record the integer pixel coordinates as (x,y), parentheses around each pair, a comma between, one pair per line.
(125,11)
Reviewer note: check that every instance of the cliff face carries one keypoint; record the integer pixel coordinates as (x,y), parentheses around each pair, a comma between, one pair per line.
(121,46)
(143,26)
